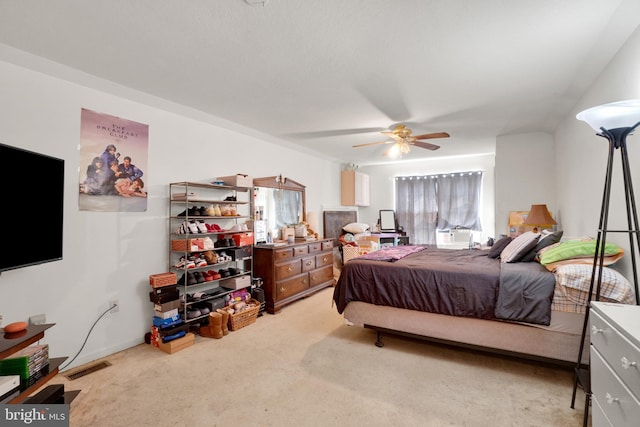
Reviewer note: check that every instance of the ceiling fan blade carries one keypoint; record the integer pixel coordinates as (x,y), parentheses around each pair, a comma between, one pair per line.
(432,135)
(426,145)
(392,134)
(374,143)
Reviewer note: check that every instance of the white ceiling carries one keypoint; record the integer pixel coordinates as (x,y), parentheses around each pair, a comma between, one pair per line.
(328,74)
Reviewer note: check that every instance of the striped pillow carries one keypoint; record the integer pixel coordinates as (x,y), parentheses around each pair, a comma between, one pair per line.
(519,247)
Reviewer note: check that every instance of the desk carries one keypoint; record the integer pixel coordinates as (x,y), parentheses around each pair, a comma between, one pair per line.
(388,239)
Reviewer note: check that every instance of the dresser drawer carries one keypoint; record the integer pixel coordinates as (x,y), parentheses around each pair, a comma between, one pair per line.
(300,250)
(282,254)
(622,354)
(315,247)
(286,288)
(598,417)
(615,399)
(285,270)
(308,263)
(321,275)
(327,245)
(324,259)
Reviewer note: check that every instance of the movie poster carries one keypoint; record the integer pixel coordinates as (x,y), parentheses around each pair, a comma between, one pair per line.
(113,163)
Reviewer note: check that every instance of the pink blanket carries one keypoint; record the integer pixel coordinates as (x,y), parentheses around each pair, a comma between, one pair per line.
(391,253)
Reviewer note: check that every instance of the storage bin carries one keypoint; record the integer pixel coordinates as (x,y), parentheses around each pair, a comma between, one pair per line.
(188,244)
(238,180)
(243,239)
(245,317)
(236,282)
(162,279)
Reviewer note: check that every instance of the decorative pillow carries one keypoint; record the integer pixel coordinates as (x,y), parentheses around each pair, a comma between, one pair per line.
(546,239)
(519,247)
(356,227)
(576,249)
(573,282)
(498,246)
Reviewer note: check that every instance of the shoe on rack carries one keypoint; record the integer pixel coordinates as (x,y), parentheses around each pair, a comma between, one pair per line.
(193,211)
(185,263)
(198,276)
(193,227)
(202,227)
(214,275)
(183,229)
(207,276)
(230,199)
(198,260)
(202,211)
(183,213)
(210,257)
(192,313)
(191,279)
(224,272)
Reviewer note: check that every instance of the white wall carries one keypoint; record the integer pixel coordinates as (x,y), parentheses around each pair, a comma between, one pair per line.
(581,156)
(525,175)
(109,255)
(382,180)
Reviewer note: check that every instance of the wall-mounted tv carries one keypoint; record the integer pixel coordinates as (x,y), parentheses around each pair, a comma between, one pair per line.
(31,215)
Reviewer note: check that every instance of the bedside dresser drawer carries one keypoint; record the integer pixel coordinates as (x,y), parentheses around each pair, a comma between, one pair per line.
(622,354)
(615,399)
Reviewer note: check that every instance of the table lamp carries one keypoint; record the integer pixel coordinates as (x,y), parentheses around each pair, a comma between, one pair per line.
(539,216)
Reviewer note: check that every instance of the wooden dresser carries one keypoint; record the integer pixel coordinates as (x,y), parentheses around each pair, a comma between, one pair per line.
(615,364)
(293,271)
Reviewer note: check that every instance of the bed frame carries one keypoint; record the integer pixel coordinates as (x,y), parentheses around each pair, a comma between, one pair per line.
(557,344)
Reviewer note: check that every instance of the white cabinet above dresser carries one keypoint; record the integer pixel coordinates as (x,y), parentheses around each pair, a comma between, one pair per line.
(615,364)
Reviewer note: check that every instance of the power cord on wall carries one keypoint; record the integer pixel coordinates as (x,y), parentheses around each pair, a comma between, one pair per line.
(88,335)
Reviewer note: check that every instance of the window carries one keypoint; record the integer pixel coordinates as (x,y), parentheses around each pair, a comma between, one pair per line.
(425,204)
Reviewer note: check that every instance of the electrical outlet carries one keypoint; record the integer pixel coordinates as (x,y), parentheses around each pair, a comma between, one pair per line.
(115,304)
(38,319)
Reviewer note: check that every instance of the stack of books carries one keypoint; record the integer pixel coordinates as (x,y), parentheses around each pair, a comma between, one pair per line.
(28,363)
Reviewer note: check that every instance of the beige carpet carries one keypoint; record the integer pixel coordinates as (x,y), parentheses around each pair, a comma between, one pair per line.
(304,367)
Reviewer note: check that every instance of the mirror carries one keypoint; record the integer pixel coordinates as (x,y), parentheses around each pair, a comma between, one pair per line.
(387,221)
(279,201)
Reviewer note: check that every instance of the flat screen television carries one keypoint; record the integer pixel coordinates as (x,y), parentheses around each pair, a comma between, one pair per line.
(31,215)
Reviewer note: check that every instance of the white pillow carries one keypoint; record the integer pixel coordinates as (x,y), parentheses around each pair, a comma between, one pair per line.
(519,247)
(356,227)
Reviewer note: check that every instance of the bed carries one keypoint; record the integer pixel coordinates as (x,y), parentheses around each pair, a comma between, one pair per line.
(470,299)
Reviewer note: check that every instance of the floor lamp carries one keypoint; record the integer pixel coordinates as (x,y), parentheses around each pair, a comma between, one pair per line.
(614,122)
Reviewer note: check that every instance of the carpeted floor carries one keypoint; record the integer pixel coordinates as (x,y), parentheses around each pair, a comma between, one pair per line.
(304,367)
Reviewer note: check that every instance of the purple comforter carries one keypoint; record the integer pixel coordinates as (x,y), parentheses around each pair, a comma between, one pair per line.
(446,281)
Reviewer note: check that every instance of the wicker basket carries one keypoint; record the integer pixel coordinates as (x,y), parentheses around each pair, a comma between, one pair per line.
(245,317)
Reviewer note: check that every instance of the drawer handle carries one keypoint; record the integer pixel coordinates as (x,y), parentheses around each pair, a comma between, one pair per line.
(308,262)
(324,259)
(282,289)
(595,330)
(611,399)
(289,269)
(626,363)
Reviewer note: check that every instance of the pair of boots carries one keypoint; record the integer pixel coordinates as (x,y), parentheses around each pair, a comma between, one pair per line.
(218,325)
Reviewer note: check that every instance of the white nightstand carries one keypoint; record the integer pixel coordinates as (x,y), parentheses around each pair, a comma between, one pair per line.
(615,364)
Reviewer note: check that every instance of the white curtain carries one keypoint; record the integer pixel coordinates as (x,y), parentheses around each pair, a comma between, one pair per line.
(417,208)
(425,204)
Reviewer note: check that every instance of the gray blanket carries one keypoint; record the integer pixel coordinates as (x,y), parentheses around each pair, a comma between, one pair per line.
(455,282)
(526,291)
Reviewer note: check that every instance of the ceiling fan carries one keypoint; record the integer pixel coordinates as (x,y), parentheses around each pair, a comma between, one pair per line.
(403,138)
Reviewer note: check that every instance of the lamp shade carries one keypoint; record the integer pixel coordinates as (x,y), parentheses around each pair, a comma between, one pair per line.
(616,115)
(539,215)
